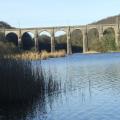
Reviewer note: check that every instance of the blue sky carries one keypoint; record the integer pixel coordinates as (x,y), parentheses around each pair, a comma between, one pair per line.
(38,13)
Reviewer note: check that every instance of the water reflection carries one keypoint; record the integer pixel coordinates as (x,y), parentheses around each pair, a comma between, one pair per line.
(89,89)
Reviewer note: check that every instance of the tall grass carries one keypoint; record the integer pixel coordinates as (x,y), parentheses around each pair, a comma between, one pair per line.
(36,55)
(18,82)
(55,54)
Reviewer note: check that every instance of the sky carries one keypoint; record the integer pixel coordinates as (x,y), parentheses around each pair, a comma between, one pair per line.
(45,13)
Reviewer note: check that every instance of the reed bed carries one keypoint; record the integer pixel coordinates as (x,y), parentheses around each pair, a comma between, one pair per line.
(36,55)
(20,84)
(55,54)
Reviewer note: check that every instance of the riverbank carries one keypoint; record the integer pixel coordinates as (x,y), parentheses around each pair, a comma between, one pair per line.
(91,52)
(45,55)
(36,55)
(95,52)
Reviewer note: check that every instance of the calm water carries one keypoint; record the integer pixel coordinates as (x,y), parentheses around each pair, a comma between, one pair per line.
(89,90)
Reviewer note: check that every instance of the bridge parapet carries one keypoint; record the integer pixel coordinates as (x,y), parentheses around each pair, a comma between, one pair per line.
(49,30)
(15,31)
(105,27)
(28,30)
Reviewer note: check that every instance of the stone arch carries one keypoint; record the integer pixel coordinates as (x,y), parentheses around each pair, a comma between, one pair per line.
(60,40)
(108,30)
(44,41)
(109,39)
(45,31)
(92,39)
(61,29)
(113,28)
(77,41)
(12,37)
(27,41)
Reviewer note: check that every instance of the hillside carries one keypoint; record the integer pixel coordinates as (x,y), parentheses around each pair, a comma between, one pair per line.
(108,20)
(4,25)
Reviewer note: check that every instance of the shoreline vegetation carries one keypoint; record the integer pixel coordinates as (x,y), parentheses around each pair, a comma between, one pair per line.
(95,52)
(91,52)
(36,55)
(45,55)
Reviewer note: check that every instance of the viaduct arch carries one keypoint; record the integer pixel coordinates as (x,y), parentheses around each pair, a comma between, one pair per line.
(68,29)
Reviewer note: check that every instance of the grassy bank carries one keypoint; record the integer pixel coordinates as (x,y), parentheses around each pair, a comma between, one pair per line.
(91,52)
(95,52)
(36,55)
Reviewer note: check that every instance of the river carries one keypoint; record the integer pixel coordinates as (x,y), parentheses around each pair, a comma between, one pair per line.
(89,90)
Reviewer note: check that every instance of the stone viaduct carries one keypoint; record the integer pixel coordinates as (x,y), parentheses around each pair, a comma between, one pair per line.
(68,29)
